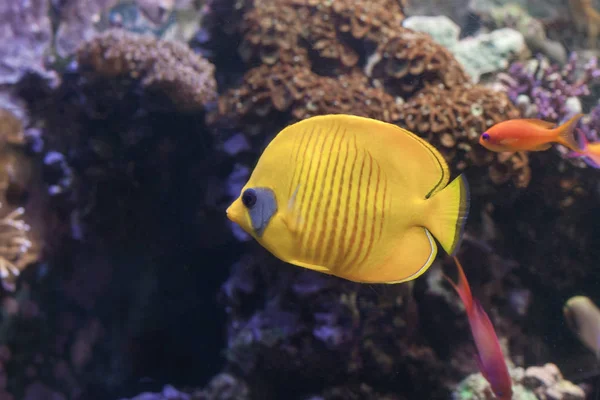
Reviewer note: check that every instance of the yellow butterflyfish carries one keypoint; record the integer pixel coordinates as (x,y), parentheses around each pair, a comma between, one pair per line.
(353,197)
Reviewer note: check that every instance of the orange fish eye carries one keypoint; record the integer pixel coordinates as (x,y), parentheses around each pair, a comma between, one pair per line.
(485,136)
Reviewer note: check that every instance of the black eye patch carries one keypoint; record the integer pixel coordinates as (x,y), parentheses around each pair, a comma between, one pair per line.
(263,206)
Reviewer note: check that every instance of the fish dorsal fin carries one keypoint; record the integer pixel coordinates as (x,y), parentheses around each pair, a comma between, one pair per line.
(444,169)
(540,123)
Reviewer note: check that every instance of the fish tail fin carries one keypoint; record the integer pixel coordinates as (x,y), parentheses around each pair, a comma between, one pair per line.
(583,140)
(565,134)
(462,287)
(447,214)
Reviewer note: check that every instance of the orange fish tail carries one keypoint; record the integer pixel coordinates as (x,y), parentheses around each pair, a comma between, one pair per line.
(462,287)
(565,133)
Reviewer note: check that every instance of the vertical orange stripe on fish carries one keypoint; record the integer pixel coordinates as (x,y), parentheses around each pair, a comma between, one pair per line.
(373,219)
(310,212)
(363,209)
(299,145)
(300,220)
(342,213)
(328,184)
(383,205)
(336,192)
(341,251)
(354,247)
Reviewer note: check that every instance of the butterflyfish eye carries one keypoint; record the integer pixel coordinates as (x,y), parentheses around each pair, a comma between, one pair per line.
(485,136)
(249,198)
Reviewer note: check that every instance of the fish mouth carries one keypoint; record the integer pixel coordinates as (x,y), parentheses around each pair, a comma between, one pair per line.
(233,212)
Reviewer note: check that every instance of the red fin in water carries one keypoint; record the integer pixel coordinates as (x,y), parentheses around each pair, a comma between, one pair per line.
(462,287)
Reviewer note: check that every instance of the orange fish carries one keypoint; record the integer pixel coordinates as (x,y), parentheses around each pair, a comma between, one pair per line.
(490,358)
(589,152)
(529,135)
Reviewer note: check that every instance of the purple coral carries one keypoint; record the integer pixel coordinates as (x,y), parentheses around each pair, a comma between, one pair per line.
(548,91)
(591,124)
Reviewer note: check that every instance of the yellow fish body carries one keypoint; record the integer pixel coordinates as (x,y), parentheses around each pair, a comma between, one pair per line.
(353,197)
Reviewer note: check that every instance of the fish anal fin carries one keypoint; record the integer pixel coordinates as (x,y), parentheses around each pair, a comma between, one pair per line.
(541,147)
(313,267)
(411,256)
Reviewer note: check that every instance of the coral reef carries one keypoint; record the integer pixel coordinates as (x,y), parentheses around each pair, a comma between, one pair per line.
(24,40)
(324,329)
(586,18)
(280,31)
(121,156)
(548,91)
(166,66)
(514,16)
(453,121)
(290,85)
(545,382)
(479,56)
(118,158)
(409,61)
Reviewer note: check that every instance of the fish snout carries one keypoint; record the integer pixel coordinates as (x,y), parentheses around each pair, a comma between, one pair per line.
(233,212)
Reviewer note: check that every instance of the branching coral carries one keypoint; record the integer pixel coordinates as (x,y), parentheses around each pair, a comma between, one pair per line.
(548,91)
(14,245)
(164,66)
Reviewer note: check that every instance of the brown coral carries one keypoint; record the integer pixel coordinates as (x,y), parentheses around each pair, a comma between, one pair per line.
(409,61)
(289,38)
(291,31)
(295,89)
(165,66)
(453,119)
(347,94)
(266,90)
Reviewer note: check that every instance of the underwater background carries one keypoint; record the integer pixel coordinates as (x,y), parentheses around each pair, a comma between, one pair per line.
(128,127)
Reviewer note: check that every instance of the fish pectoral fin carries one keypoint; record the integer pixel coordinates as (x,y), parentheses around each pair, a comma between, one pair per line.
(413,255)
(291,218)
(291,222)
(507,141)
